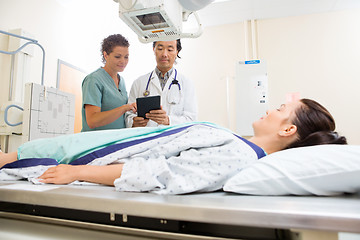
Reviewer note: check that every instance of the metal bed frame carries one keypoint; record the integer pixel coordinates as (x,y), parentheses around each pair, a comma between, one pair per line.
(99,212)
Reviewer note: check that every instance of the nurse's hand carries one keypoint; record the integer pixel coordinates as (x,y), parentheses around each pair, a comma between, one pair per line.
(61,174)
(131,107)
(139,122)
(158,116)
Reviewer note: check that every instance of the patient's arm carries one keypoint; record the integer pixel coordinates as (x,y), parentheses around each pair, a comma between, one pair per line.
(64,174)
(6,158)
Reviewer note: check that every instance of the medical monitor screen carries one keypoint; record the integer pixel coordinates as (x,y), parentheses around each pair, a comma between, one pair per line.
(151,18)
(151,21)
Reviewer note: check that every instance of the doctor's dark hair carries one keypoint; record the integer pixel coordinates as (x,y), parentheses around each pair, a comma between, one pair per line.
(112,41)
(178,46)
(315,125)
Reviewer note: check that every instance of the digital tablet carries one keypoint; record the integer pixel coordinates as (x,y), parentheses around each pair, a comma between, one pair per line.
(146,104)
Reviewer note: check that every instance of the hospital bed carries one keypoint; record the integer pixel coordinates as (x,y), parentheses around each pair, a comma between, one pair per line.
(29,211)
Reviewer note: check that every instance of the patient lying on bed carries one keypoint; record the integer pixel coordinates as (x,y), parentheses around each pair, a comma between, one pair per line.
(193,157)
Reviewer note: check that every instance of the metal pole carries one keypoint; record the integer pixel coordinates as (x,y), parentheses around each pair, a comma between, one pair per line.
(18,36)
(32,41)
(11,77)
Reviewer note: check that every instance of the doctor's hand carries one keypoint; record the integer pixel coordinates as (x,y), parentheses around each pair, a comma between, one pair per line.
(139,122)
(158,116)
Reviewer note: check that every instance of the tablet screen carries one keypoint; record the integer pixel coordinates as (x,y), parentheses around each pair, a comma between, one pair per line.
(146,104)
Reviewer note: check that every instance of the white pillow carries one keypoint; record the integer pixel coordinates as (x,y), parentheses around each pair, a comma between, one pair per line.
(315,170)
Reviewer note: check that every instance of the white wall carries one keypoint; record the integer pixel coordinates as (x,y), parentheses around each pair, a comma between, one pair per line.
(71,31)
(210,60)
(316,55)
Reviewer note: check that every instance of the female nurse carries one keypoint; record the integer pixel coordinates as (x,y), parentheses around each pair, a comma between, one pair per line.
(104,93)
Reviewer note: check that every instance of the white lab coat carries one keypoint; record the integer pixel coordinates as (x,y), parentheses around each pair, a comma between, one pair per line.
(184,111)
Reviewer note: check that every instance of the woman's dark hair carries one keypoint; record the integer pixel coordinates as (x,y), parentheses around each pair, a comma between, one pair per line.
(315,125)
(112,41)
(178,46)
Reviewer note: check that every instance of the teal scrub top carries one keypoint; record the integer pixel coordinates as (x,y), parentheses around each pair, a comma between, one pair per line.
(99,89)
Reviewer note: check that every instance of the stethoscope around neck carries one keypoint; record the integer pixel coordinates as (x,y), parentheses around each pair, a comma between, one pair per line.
(171,98)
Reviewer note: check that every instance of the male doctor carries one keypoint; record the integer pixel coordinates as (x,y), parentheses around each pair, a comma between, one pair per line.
(178,99)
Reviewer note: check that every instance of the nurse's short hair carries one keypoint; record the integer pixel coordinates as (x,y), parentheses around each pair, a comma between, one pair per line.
(112,41)
(178,46)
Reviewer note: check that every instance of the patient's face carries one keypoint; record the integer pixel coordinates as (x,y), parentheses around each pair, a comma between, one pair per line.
(275,120)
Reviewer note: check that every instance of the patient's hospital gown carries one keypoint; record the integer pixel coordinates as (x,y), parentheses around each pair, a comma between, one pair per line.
(193,157)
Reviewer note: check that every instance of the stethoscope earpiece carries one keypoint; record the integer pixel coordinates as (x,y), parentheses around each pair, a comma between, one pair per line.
(175,82)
